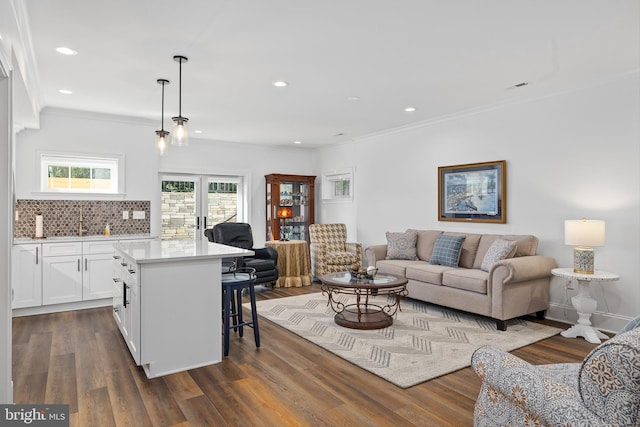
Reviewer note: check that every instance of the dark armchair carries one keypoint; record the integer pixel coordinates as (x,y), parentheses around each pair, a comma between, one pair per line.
(238,234)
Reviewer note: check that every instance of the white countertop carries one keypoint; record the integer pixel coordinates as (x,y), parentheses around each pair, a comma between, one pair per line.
(177,250)
(93,238)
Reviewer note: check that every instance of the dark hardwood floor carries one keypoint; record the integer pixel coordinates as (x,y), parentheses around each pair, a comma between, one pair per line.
(79,358)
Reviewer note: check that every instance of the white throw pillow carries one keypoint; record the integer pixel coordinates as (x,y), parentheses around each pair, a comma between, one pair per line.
(500,249)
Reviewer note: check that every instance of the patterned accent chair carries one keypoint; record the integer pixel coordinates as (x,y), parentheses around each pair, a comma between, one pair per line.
(330,251)
(602,390)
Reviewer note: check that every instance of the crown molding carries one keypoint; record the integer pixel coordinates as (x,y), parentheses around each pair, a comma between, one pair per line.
(94,115)
(500,105)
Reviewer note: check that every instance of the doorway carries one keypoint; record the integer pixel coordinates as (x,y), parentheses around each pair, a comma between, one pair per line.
(193,203)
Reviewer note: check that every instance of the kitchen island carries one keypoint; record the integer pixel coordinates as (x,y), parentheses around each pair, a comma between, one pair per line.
(168,302)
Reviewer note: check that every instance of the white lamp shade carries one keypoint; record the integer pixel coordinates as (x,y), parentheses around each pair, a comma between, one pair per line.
(583,232)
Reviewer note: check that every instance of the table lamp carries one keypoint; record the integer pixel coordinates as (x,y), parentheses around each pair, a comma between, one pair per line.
(283,213)
(583,234)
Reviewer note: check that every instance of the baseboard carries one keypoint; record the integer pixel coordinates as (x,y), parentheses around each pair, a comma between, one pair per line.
(56,308)
(606,322)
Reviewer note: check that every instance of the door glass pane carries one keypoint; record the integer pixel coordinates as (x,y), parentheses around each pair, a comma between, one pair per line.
(178,208)
(223,200)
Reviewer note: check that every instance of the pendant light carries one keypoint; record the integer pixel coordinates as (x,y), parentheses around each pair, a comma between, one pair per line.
(162,134)
(180,134)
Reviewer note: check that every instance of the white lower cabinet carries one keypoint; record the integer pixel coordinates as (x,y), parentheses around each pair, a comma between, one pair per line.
(61,279)
(126,304)
(97,270)
(170,313)
(62,272)
(26,275)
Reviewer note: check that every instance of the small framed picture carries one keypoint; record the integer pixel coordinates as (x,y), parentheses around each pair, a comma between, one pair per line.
(474,192)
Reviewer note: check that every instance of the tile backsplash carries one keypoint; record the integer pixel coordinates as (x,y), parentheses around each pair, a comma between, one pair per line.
(62,217)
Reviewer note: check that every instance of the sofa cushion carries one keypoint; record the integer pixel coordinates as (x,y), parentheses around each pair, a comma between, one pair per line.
(527,244)
(446,250)
(499,249)
(469,248)
(468,279)
(428,273)
(402,245)
(424,245)
(396,267)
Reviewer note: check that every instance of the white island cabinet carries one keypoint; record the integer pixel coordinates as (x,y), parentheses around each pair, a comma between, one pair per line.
(168,302)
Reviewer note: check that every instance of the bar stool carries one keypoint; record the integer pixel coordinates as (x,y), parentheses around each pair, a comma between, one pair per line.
(232,285)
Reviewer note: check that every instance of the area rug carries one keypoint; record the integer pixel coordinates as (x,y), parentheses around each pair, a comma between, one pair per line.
(424,342)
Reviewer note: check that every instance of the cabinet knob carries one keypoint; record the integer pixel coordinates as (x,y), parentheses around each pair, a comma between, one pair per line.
(116,280)
(124,264)
(116,257)
(116,309)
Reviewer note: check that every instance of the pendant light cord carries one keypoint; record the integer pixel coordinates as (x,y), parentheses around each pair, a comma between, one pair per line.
(162,109)
(180,89)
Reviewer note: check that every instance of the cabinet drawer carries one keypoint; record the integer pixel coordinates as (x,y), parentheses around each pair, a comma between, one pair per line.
(97,247)
(58,249)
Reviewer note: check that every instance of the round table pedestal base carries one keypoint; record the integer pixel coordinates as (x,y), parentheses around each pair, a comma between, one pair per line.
(369,318)
(589,333)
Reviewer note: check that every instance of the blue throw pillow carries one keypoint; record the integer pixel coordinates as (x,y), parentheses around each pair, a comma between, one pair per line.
(446,250)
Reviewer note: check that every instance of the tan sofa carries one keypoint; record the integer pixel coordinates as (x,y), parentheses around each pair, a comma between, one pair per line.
(510,288)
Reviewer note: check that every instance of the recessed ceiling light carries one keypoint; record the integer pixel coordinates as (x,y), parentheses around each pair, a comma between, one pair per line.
(280,83)
(353,98)
(410,109)
(66,50)
(297,142)
(197,131)
(65,91)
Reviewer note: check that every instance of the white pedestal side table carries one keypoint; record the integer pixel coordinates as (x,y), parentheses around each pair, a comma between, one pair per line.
(584,304)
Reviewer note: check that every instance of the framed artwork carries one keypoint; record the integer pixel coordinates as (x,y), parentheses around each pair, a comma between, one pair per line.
(473,193)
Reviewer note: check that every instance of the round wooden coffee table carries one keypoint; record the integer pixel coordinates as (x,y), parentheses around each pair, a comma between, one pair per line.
(364,314)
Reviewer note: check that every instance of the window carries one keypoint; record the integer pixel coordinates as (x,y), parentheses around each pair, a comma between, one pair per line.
(337,186)
(80,174)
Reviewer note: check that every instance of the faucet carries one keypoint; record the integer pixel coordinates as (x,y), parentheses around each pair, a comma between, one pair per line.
(81,230)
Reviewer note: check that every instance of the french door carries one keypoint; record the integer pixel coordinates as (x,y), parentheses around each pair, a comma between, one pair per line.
(193,203)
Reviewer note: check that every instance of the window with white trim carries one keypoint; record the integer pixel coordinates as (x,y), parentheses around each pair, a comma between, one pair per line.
(80,174)
(337,186)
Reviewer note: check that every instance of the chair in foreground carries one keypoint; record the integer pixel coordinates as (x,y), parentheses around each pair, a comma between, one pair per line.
(233,284)
(602,390)
(238,234)
(330,251)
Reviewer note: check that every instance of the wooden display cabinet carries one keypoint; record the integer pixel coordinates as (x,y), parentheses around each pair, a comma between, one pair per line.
(295,192)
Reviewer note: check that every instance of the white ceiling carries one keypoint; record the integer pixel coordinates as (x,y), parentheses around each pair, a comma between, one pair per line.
(439,56)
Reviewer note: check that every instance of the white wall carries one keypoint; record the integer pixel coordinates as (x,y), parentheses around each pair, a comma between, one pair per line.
(573,155)
(327,161)
(70,131)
